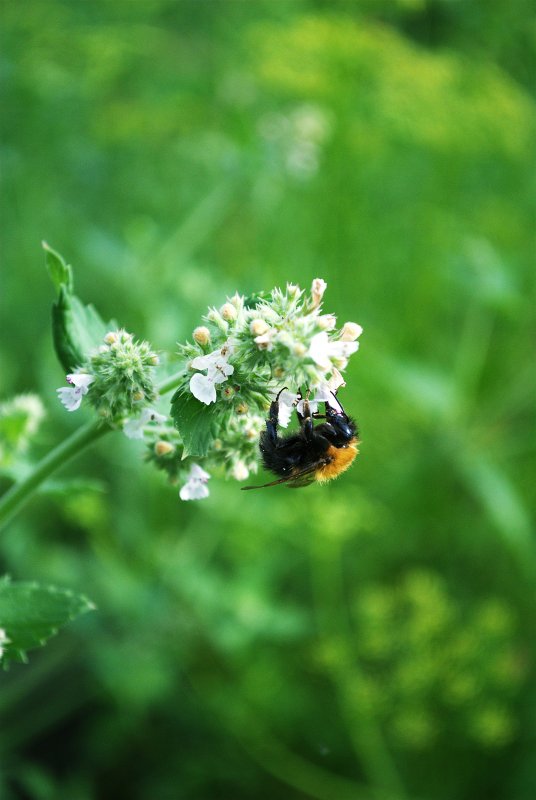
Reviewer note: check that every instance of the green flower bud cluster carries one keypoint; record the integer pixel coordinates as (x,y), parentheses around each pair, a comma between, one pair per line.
(122,370)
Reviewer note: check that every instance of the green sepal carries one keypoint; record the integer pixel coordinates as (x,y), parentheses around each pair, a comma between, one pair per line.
(30,614)
(195,422)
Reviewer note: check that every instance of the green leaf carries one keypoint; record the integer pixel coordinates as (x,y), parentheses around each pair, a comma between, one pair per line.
(195,423)
(60,272)
(77,329)
(30,614)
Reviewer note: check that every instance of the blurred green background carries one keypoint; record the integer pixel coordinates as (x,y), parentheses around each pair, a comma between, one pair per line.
(372,638)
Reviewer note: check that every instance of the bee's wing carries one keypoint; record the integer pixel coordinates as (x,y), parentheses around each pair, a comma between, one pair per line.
(302,478)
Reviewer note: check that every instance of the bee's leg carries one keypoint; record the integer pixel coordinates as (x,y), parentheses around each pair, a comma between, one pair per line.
(273,418)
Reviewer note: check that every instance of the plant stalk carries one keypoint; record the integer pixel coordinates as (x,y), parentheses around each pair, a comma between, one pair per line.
(19,494)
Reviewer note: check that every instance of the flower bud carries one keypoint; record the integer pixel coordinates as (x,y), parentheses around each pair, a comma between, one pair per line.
(258,327)
(163,448)
(154,361)
(299,349)
(228,393)
(242,408)
(317,291)
(293,290)
(137,396)
(327,322)
(215,316)
(228,312)
(350,332)
(111,337)
(201,335)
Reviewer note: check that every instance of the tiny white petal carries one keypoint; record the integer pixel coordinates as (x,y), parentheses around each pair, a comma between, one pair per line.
(81,380)
(198,473)
(203,388)
(204,362)
(287,401)
(195,487)
(194,490)
(342,349)
(70,398)
(220,371)
(318,350)
(133,428)
(150,415)
(284,415)
(336,380)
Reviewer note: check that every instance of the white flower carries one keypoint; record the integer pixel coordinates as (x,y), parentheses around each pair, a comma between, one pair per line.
(133,427)
(3,640)
(195,487)
(287,401)
(321,350)
(323,394)
(203,387)
(336,380)
(72,398)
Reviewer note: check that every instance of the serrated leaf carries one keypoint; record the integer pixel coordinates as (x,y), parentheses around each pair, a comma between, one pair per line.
(30,614)
(60,272)
(195,423)
(77,329)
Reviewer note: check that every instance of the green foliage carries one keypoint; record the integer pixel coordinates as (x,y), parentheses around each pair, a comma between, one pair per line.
(30,614)
(77,329)
(19,421)
(195,423)
(284,644)
(434,670)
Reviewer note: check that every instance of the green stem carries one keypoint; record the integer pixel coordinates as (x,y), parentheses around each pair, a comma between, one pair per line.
(170,383)
(19,494)
(14,499)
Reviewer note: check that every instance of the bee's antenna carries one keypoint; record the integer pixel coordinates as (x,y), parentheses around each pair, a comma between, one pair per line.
(279,393)
(338,402)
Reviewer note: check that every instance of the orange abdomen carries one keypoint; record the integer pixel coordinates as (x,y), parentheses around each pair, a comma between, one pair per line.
(341,459)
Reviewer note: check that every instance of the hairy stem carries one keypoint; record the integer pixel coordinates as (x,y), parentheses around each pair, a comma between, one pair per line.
(19,494)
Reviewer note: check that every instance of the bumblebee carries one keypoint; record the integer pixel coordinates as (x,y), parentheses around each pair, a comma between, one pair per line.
(316,453)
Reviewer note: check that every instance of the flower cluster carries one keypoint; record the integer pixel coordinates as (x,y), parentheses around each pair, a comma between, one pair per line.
(241,357)
(118,381)
(263,342)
